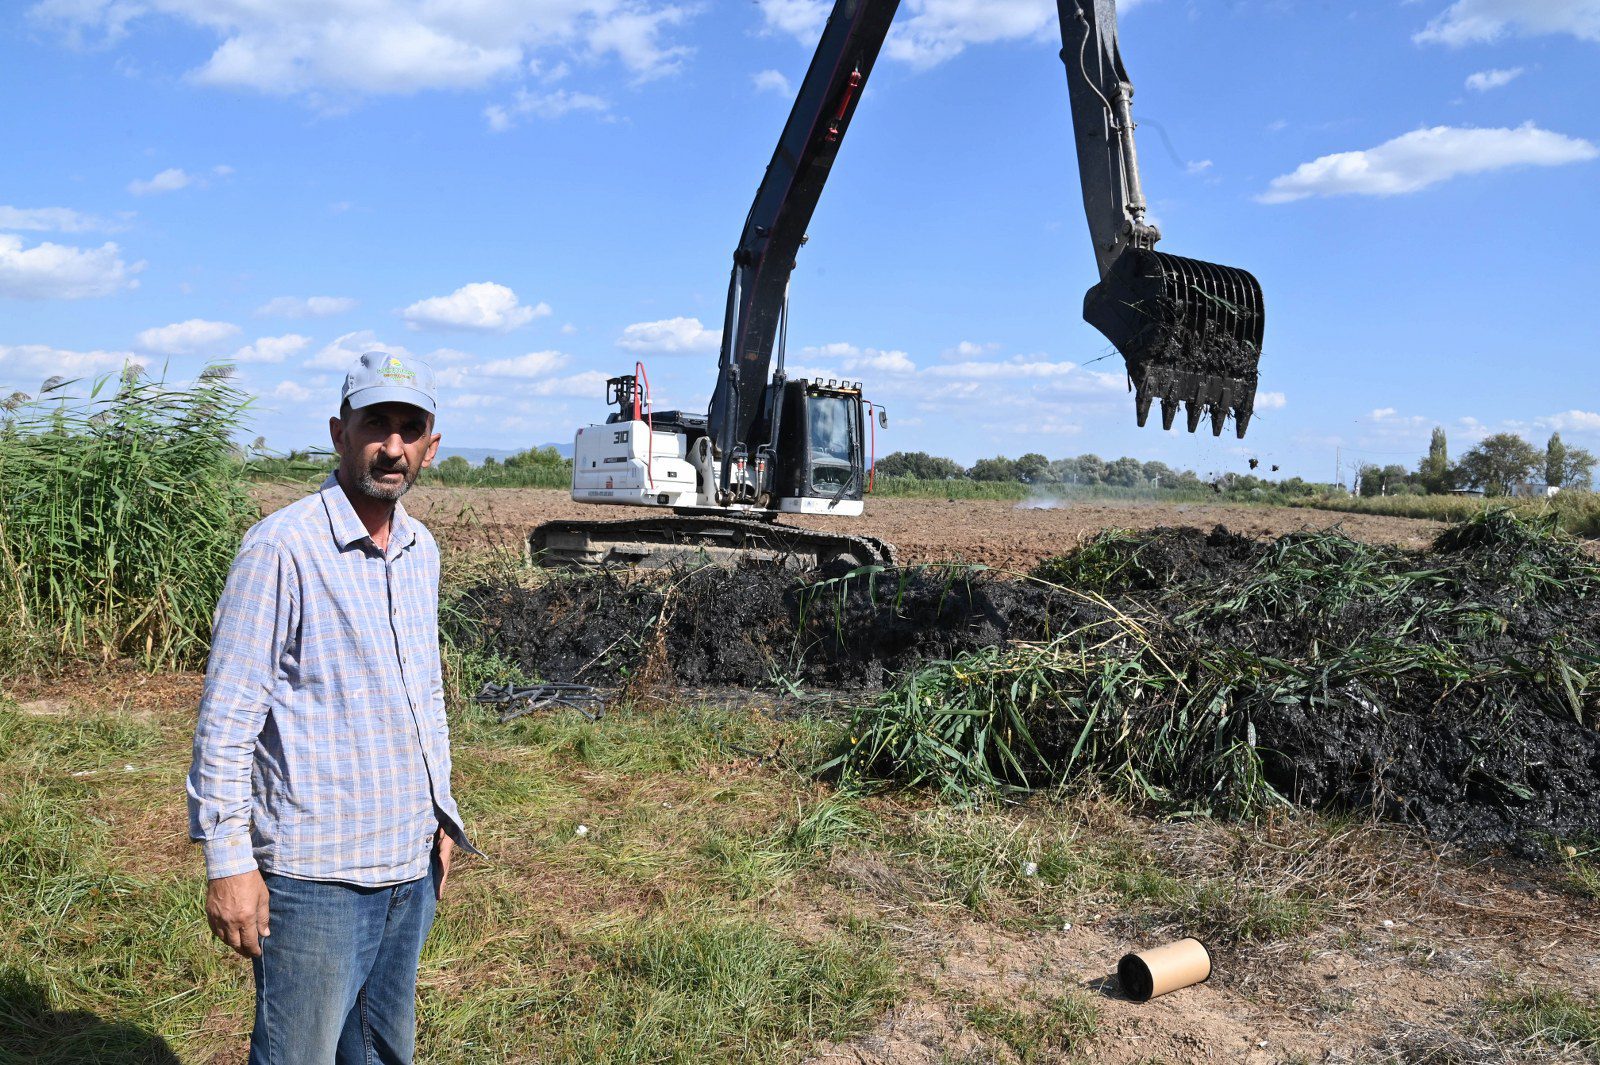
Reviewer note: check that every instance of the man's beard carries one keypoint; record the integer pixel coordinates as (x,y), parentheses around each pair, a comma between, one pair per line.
(387,493)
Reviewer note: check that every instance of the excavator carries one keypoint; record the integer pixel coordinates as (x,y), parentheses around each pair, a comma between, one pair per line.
(1189,333)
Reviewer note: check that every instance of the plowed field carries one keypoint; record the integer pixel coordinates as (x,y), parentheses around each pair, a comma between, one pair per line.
(994,532)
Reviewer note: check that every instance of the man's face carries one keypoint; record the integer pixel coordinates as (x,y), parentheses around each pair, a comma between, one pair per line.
(383,448)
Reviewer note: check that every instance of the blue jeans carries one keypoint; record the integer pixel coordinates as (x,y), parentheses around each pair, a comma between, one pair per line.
(337,978)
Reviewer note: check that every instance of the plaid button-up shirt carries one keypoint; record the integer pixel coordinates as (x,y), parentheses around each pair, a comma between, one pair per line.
(322,751)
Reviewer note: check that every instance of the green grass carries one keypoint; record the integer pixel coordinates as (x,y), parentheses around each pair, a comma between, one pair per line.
(1054,1031)
(119,517)
(1547,1018)
(1577,512)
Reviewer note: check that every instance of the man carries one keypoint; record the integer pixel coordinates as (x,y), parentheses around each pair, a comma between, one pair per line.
(320,788)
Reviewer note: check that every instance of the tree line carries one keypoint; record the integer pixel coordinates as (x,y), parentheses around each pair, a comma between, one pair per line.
(1496,466)
(1085,470)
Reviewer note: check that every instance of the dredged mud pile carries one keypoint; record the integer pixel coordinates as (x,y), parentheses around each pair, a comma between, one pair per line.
(1456,688)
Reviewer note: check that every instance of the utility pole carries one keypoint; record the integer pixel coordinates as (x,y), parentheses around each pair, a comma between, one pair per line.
(1338,466)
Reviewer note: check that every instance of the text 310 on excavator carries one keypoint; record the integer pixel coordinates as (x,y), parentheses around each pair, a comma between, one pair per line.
(1189,332)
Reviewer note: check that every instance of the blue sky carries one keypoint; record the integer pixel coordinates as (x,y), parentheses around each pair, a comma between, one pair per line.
(532,194)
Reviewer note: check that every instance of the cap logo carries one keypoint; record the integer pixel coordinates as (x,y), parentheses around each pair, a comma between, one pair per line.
(393,372)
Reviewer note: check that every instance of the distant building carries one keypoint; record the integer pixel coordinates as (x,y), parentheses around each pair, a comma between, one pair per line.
(1476,493)
(1534,490)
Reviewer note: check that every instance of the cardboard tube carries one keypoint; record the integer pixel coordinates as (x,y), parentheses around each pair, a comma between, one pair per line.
(1152,973)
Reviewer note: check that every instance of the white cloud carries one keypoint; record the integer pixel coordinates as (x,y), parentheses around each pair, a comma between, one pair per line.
(272,349)
(1580,421)
(307,307)
(438,355)
(856,360)
(345,350)
(772,81)
(193,337)
(344,48)
(502,117)
(590,384)
(533,364)
(1198,166)
(46,361)
(1426,157)
(801,19)
(1478,21)
(472,401)
(967,349)
(671,336)
(1484,80)
(928,32)
(59,271)
(56,219)
(291,391)
(170,180)
(1271,401)
(482,307)
(1381,413)
(1068,374)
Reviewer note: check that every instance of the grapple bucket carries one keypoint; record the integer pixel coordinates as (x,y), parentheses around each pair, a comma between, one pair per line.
(1189,331)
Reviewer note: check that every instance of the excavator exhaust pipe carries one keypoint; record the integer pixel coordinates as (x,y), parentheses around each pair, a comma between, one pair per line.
(1190,332)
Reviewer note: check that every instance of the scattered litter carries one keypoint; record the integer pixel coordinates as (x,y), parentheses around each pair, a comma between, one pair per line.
(525,700)
(1570,851)
(1388,923)
(581,831)
(1066,926)
(1031,869)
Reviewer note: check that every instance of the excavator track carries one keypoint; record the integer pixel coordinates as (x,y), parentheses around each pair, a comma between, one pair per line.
(694,540)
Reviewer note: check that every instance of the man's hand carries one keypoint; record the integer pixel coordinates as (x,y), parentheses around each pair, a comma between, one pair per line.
(444,845)
(236,908)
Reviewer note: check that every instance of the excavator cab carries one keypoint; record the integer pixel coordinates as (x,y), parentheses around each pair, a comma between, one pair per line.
(821,448)
(1189,331)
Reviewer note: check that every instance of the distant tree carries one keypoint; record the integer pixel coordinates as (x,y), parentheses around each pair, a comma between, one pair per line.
(1555,461)
(455,466)
(1091,469)
(1433,472)
(1369,480)
(998,468)
(919,464)
(1125,473)
(535,456)
(490,462)
(1498,463)
(1159,474)
(1577,469)
(1033,468)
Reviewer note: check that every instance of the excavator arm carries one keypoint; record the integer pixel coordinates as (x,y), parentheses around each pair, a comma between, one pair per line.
(1189,331)
(776,226)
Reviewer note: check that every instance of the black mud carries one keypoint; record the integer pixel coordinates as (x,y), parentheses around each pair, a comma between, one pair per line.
(1455,688)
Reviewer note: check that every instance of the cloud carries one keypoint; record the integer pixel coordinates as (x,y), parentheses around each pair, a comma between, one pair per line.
(590,384)
(338,49)
(1198,166)
(54,219)
(1579,421)
(193,337)
(341,353)
(1484,80)
(272,349)
(170,180)
(671,336)
(291,391)
(48,362)
(772,81)
(1479,21)
(307,307)
(856,360)
(1067,374)
(533,364)
(928,32)
(1271,401)
(967,349)
(502,117)
(483,307)
(59,271)
(1426,157)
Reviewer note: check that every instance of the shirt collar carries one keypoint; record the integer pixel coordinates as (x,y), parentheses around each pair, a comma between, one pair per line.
(347,526)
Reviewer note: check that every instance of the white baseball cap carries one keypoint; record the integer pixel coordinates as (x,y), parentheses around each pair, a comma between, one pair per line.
(380,377)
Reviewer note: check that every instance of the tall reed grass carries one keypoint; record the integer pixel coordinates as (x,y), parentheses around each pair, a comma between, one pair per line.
(120,512)
(1578,512)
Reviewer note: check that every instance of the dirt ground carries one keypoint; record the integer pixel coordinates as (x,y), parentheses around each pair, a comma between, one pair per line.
(997,533)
